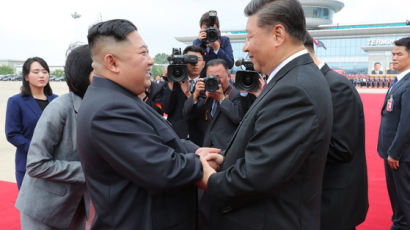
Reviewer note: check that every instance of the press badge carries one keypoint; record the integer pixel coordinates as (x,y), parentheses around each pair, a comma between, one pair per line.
(390,103)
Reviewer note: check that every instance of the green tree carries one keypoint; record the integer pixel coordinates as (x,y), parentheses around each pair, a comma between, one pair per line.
(160,62)
(58,73)
(5,69)
(161,58)
(157,70)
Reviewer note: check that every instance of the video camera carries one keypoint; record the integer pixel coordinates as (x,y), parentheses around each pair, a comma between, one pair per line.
(178,70)
(211,83)
(248,79)
(212,33)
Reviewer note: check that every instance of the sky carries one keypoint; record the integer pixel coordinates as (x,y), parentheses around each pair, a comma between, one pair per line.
(45,28)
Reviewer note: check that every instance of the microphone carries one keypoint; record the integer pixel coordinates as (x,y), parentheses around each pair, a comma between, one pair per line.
(239,62)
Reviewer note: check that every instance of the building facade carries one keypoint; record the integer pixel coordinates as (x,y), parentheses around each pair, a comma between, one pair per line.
(352,48)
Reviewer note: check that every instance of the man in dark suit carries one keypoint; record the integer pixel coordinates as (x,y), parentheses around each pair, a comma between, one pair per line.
(394,141)
(223,107)
(344,194)
(271,174)
(191,126)
(391,70)
(376,69)
(139,173)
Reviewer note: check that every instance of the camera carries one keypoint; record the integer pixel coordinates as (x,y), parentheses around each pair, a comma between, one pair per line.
(178,70)
(211,83)
(212,33)
(248,79)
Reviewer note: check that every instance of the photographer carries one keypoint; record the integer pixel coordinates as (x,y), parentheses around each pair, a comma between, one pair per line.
(220,48)
(221,102)
(190,127)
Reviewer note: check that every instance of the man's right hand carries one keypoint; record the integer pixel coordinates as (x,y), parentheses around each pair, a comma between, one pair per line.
(202,35)
(199,87)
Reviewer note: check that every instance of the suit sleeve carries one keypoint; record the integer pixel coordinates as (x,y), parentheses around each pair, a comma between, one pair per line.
(14,126)
(401,139)
(347,113)
(284,133)
(233,109)
(226,53)
(195,110)
(129,143)
(168,99)
(41,159)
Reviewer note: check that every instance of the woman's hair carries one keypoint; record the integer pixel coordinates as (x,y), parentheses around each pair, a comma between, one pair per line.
(25,88)
(77,70)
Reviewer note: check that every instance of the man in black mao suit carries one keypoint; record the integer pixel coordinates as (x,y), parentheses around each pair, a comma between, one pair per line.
(344,194)
(394,133)
(139,173)
(223,107)
(271,174)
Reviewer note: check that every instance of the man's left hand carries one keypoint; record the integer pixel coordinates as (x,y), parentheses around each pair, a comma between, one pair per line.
(394,164)
(208,171)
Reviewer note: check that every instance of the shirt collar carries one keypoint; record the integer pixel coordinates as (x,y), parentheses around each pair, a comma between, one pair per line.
(402,74)
(286,61)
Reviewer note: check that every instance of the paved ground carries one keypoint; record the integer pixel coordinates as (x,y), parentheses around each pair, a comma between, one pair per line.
(7,150)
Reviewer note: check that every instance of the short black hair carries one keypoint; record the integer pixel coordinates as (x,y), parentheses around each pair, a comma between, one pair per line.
(218,61)
(77,70)
(25,90)
(196,49)
(116,28)
(289,13)
(205,20)
(403,42)
(308,43)
(377,63)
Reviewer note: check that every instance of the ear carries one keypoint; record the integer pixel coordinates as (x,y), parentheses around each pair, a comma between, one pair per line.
(111,63)
(279,34)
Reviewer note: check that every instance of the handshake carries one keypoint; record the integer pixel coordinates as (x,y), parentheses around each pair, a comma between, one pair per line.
(211,160)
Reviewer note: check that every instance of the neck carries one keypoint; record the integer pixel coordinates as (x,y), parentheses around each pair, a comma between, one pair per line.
(402,70)
(287,51)
(38,93)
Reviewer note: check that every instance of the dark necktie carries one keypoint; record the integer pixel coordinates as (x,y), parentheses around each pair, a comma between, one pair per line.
(214,106)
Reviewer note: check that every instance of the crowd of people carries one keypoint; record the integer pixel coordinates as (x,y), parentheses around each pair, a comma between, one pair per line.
(289,155)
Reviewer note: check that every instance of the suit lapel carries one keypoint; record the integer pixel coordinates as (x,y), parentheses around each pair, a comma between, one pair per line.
(396,87)
(32,104)
(301,60)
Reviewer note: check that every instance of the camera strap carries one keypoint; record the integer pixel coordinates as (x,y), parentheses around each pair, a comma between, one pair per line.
(228,94)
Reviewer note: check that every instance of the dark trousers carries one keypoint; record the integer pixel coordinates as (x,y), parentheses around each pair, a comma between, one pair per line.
(398,186)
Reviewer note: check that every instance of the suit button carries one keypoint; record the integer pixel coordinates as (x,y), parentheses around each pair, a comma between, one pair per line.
(226,209)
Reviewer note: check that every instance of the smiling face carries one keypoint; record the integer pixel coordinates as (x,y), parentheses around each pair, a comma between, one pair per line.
(134,63)
(401,59)
(38,76)
(259,45)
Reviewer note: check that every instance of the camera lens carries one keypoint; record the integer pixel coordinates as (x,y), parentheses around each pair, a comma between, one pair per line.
(248,80)
(177,72)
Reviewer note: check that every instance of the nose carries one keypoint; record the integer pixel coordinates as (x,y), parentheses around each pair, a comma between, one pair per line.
(150,61)
(245,47)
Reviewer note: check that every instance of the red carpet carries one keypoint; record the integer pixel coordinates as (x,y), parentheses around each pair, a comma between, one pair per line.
(378,217)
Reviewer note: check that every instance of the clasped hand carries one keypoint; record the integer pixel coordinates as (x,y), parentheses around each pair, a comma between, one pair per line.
(211,159)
